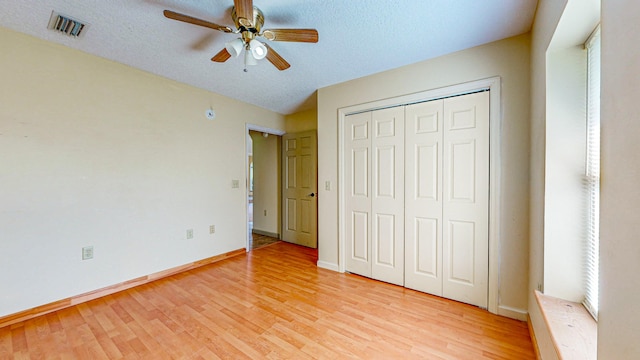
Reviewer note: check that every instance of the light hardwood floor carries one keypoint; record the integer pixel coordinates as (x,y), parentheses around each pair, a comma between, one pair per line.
(272,303)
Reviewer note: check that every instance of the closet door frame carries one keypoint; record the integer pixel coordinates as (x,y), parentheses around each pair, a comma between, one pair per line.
(492,84)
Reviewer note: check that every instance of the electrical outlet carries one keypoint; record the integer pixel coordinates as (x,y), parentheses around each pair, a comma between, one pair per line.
(235,184)
(189,233)
(87,252)
(212,229)
(327,185)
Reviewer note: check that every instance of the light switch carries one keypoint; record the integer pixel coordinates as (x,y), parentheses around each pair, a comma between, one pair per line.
(235,184)
(87,252)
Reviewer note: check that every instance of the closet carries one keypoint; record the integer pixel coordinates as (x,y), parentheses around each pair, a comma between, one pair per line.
(417,196)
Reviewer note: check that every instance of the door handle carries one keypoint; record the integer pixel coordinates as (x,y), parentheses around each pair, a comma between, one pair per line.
(312,194)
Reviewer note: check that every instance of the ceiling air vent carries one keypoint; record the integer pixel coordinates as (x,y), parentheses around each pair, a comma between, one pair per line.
(67,25)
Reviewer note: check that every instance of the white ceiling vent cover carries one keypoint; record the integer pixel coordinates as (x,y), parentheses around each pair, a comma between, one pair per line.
(67,25)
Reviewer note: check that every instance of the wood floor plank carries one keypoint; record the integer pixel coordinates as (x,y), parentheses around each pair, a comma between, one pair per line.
(19,341)
(273,303)
(6,343)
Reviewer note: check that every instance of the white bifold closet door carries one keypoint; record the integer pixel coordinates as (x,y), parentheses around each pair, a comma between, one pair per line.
(423,210)
(447,198)
(374,204)
(416,200)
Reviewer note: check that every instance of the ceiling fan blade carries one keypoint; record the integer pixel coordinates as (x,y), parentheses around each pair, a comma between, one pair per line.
(298,35)
(244,10)
(222,56)
(277,60)
(191,20)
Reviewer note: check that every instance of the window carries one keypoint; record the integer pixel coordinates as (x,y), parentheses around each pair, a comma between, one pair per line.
(592,173)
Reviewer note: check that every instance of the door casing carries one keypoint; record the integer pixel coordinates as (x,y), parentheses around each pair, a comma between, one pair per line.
(262,129)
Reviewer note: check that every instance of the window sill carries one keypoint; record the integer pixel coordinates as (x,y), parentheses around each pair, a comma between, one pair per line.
(573,330)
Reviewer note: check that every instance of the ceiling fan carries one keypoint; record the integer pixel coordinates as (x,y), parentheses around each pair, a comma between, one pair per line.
(248,21)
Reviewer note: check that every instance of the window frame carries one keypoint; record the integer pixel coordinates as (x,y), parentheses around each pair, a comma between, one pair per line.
(592,175)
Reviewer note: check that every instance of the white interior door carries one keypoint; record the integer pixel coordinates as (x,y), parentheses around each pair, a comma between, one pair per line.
(387,200)
(466,198)
(357,182)
(423,197)
(300,188)
(374,206)
(447,197)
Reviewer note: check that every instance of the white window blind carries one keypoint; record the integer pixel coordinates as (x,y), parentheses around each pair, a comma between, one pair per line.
(592,174)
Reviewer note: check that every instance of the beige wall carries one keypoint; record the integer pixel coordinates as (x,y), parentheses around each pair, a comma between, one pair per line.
(619,316)
(547,17)
(97,153)
(557,98)
(508,59)
(301,121)
(266,183)
(546,20)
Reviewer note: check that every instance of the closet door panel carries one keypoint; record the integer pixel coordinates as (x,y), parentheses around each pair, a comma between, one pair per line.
(357,218)
(387,202)
(360,237)
(423,197)
(466,198)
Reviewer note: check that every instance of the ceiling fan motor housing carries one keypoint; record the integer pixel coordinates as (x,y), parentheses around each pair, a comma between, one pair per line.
(252,25)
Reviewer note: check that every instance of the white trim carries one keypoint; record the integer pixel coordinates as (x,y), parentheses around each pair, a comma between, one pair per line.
(328,265)
(513,313)
(594,36)
(495,123)
(263,129)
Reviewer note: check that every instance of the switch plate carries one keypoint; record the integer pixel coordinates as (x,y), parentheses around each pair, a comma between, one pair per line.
(212,229)
(87,252)
(189,233)
(235,184)
(327,185)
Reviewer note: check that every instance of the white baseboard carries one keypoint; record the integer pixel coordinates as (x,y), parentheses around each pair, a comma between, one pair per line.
(513,313)
(328,265)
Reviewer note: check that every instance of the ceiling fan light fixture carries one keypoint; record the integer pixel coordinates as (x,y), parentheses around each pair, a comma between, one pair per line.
(249,60)
(234,47)
(248,21)
(258,50)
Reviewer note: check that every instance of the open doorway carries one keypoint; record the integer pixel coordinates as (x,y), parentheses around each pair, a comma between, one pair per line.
(263,186)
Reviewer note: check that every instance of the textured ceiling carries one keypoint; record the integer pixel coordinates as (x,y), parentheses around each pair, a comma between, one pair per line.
(357,38)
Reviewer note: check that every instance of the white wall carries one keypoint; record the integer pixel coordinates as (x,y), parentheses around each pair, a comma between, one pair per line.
(266,183)
(97,153)
(565,206)
(508,59)
(619,315)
